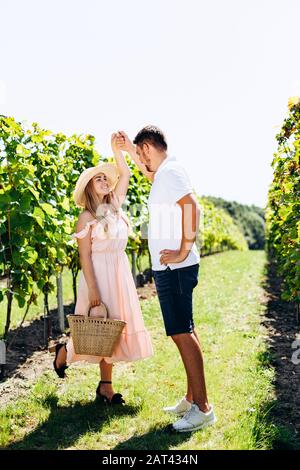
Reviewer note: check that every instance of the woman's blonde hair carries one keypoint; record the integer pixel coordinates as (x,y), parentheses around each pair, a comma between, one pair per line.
(97,209)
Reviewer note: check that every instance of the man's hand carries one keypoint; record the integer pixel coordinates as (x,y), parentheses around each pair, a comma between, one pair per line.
(172,256)
(124,142)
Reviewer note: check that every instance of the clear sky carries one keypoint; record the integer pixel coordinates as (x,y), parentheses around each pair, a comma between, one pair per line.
(214,75)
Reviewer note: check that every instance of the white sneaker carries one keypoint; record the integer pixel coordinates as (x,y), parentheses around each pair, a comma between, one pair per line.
(195,419)
(180,409)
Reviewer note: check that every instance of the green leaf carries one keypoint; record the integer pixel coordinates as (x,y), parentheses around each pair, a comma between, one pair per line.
(21,150)
(25,202)
(21,301)
(52,251)
(30,255)
(34,192)
(48,209)
(39,216)
(4,201)
(65,204)
(17,258)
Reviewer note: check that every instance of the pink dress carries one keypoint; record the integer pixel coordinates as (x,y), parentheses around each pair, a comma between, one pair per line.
(117,291)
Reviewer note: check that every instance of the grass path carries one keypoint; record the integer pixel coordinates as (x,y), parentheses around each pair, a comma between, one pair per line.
(228,308)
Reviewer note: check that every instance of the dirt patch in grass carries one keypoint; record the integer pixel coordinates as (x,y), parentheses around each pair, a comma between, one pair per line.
(27,354)
(283,330)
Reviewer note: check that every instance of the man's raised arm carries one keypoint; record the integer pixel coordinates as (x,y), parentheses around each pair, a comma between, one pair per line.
(127,146)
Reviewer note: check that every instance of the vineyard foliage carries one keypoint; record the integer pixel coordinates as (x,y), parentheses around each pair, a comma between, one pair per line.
(218,231)
(283,211)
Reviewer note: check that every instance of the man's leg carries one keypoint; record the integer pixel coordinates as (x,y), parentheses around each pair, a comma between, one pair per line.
(189,393)
(190,351)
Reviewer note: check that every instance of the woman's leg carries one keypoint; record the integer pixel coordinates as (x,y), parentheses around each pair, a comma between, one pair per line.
(106,376)
(61,357)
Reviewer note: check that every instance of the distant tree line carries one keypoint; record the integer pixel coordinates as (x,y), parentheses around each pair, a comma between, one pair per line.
(249,219)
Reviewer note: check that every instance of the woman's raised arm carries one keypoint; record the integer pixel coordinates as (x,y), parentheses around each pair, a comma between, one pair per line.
(124,171)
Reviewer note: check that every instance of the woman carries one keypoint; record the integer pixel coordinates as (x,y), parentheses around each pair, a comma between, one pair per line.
(102,233)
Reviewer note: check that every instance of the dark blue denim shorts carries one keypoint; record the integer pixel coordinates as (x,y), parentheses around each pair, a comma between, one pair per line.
(175,292)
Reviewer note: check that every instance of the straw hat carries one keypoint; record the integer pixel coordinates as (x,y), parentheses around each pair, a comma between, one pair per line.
(109,169)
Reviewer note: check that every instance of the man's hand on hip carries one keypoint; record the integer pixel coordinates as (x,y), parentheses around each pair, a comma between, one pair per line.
(172,256)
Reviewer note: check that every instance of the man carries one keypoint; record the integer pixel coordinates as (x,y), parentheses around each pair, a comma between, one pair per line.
(173,225)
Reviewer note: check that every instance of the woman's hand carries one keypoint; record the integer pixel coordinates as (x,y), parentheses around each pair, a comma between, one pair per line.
(115,144)
(96,311)
(94,297)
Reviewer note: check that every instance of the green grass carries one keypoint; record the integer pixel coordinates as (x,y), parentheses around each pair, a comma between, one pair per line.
(62,414)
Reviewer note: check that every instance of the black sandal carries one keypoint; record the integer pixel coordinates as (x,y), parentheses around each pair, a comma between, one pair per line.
(59,370)
(117,398)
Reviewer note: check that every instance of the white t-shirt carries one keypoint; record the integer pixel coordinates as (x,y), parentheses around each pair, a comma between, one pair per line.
(170,184)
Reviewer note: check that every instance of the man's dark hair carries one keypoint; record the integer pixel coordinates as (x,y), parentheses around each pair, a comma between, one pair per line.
(151,135)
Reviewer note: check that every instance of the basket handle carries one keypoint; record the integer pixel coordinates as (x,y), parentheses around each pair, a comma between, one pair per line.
(103,311)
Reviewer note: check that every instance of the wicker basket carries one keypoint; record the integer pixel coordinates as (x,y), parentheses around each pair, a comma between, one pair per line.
(95,336)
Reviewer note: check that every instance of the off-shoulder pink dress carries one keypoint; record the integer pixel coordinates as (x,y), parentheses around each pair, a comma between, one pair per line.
(117,291)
